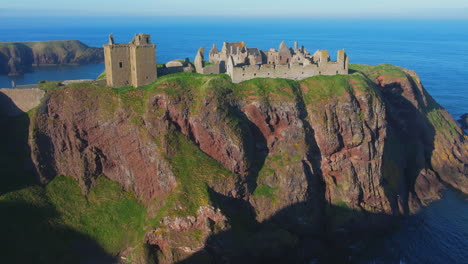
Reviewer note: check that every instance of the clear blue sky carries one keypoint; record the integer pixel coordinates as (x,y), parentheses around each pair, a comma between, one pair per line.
(250,8)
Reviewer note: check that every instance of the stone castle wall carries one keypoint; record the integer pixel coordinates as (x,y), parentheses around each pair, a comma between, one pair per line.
(16,101)
(118,67)
(288,71)
(143,58)
(212,69)
(171,70)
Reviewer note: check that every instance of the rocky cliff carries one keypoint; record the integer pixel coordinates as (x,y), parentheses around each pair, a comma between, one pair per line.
(19,57)
(261,171)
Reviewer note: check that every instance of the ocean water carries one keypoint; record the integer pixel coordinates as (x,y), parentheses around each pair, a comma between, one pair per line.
(436,50)
(437,234)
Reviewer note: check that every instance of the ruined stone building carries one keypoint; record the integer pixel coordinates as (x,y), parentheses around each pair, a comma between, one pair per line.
(243,63)
(132,64)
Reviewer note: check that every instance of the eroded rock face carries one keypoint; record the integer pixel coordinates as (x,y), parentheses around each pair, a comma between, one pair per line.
(80,138)
(464,121)
(327,154)
(175,237)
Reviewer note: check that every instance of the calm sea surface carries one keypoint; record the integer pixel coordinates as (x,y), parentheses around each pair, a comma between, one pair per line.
(436,50)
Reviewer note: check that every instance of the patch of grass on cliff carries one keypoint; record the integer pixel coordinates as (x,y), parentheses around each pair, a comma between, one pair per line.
(342,204)
(321,87)
(55,217)
(194,171)
(194,88)
(266,191)
(442,124)
(374,71)
(50,85)
(111,216)
(101,76)
(267,89)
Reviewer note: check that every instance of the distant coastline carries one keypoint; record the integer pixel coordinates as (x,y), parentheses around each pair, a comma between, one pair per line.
(17,58)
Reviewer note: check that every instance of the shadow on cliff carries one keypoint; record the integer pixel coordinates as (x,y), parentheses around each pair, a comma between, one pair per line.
(8,107)
(16,170)
(407,154)
(408,146)
(256,146)
(30,234)
(248,241)
(30,230)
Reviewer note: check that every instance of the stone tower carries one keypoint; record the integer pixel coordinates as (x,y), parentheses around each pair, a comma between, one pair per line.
(132,64)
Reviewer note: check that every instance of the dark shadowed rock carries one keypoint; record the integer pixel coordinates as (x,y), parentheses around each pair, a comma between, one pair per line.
(464,121)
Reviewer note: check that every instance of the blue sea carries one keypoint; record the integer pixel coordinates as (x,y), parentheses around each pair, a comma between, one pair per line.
(436,50)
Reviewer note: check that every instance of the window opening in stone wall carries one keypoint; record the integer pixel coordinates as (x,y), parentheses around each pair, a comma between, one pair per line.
(147,40)
(120,64)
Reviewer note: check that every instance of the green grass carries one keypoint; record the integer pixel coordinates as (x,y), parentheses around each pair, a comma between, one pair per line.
(112,217)
(321,87)
(101,76)
(266,191)
(60,214)
(442,124)
(342,204)
(50,85)
(194,172)
(267,89)
(374,71)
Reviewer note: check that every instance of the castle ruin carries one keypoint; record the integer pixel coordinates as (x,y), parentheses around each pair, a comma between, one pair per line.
(242,63)
(132,64)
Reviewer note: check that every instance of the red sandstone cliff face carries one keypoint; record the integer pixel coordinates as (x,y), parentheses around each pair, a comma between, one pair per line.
(84,139)
(328,153)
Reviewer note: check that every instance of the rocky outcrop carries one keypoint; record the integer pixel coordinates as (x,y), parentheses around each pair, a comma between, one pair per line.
(251,172)
(19,57)
(464,121)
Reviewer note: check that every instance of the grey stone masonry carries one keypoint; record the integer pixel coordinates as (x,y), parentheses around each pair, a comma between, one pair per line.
(243,63)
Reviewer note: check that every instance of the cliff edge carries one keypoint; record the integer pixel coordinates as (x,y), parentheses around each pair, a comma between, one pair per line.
(265,170)
(19,57)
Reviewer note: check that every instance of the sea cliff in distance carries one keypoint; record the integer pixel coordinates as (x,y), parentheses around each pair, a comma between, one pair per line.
(195,169)
(19,57)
